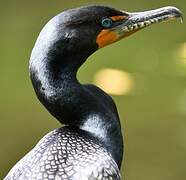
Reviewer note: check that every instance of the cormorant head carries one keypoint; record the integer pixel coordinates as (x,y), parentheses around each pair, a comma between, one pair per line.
(80,32)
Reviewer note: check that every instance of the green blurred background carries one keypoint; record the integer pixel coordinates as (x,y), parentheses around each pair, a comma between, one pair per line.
(153,113)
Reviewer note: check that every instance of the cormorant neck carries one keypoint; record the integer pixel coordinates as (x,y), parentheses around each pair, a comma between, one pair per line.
(54,79)
(53,76)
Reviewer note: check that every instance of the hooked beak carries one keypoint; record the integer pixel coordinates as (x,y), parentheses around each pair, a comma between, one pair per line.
(136,21)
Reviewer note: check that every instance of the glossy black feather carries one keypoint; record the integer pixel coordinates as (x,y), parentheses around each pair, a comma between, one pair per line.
(93,131)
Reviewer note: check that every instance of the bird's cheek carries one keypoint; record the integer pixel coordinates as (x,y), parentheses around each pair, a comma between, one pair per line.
(106,37)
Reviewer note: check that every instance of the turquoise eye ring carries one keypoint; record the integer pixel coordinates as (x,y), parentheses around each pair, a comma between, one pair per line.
(107,22)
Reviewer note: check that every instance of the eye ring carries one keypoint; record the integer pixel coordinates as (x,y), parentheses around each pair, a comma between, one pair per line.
(107,22)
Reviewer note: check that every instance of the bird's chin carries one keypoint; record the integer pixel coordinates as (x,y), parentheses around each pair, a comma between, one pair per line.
(135,22)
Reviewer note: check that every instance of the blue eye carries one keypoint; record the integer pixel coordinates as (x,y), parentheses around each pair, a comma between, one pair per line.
(107,22)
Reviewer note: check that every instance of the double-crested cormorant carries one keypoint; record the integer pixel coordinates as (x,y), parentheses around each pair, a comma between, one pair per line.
(90,146)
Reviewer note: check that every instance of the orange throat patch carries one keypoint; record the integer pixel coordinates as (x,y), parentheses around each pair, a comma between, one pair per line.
(106,37)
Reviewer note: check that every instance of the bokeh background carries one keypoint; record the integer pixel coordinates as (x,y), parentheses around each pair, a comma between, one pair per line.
(147,71)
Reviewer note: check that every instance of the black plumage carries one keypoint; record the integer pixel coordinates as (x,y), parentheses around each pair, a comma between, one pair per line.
(90,146)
